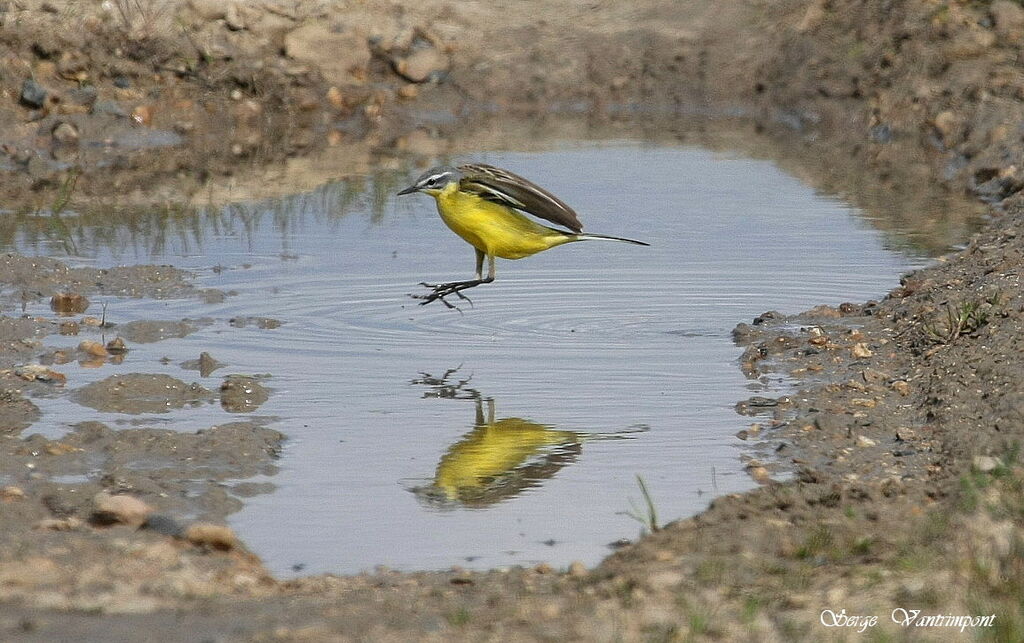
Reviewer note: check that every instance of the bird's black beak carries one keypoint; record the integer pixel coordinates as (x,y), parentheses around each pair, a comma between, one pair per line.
(409,190)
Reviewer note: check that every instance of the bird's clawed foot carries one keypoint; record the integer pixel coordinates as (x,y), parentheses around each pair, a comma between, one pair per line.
(438,292)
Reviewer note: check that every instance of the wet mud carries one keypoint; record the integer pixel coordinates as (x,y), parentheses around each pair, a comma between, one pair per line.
(889,475)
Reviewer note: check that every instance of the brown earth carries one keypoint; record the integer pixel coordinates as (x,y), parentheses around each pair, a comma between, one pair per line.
(899,452)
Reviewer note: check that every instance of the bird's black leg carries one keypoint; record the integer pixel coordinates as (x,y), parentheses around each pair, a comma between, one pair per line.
(440,291)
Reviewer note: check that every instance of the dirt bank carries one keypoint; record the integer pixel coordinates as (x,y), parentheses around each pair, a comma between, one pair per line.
(899,449)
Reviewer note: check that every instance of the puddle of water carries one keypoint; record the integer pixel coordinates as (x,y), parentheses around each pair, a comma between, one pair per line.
(422,438)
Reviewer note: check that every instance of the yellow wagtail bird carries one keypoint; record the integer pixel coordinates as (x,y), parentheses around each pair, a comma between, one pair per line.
(483,204)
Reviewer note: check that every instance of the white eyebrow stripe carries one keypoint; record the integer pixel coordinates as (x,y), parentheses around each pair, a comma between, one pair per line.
(434,176)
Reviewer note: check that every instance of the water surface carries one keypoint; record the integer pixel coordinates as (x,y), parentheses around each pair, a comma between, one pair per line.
(512,432)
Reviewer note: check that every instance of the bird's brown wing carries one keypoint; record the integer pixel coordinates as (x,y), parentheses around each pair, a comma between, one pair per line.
(504,187)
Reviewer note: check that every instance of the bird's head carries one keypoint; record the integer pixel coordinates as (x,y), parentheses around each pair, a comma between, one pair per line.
(434,180)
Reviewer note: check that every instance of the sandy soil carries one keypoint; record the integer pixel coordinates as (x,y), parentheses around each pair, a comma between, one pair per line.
(889,480)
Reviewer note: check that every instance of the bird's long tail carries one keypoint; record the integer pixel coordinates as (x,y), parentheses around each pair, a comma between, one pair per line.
(607,237)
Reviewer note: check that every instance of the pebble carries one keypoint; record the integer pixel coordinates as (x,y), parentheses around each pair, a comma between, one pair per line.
(901,387)
(423,65)
(69,328)
(117,346)
(33,94)
(65,134)
(10,492)
(759,474)
(864,441)
(109,509)
(204,534)
(39,373)
(143,114)
(947,124)
(985,463)
(69,303)
(335,97)
(860,350)
(58,524)
(92,347)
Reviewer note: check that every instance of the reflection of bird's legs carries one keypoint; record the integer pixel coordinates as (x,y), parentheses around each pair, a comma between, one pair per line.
(440,291)
(479,413)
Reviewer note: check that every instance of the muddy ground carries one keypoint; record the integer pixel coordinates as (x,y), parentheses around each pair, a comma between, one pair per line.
(890,479)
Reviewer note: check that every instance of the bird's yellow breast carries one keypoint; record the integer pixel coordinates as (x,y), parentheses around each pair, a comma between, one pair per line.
(493,228)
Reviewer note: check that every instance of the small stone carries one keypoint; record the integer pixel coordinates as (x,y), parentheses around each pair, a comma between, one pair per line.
(58,524)
(985,463)
(10,492)
(866,402)
(33,94)
(143,114)
(68,303)
(759,474)
(948,125)
(39,373)
(864,441)
(92,347)
(423,65)
(577,569)
(109,509)
(65,133)
(408,91)
(901,387)
(336,98)
(860,350)
(117,346)
(68,328)
(217,537)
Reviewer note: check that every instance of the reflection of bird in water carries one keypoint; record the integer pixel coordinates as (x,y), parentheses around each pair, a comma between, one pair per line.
(499,459)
